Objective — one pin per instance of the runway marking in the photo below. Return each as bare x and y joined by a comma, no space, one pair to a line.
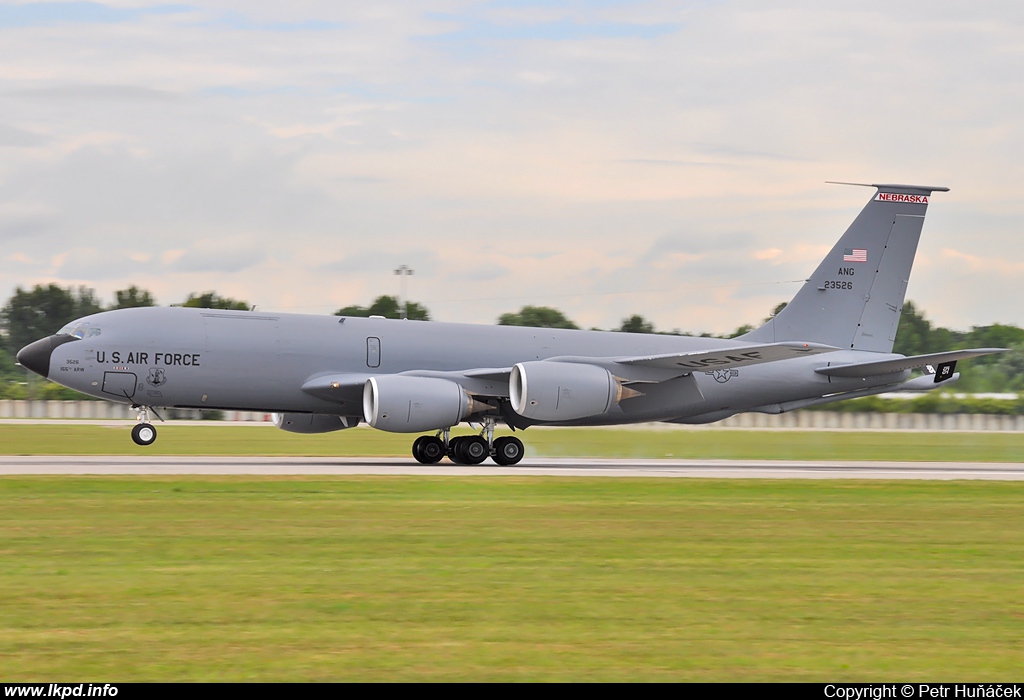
665,468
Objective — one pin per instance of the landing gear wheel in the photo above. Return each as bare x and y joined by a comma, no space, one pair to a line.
428,449
508,451
454,450
144,434
470,450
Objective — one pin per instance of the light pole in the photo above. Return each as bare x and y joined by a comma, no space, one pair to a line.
402,271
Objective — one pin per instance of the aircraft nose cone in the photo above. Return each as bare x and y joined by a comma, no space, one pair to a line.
36,356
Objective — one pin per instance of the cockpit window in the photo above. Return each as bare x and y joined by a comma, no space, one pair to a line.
80,330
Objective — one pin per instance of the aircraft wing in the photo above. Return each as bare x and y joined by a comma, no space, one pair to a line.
874,368
493,381
728,357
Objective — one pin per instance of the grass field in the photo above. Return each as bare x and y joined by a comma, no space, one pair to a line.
367,578
372,578
190,439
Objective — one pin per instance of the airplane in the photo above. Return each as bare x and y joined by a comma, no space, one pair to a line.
318,374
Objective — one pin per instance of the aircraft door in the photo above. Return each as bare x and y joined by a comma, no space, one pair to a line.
120,384
373,352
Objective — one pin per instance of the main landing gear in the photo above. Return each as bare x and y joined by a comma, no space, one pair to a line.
144,432
468,449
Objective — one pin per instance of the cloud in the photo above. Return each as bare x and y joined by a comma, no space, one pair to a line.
240,22
478,30
691,246
609,157
227,255
88,265
49,14
377,261
103,93
13,137
11,231
767,254
23,219
976,263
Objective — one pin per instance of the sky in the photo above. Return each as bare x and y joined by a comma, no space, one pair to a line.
605,157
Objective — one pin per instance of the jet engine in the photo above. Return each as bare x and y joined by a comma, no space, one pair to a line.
308,423
404,404
558,391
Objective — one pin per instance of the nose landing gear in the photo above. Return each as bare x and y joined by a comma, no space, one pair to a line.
468,449
144,432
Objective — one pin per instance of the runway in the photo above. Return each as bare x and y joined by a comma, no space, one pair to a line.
391,466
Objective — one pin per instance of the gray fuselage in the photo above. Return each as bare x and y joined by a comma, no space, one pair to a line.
210,359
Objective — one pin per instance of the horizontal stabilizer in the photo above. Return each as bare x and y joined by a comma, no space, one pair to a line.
725,358
860,370
925,383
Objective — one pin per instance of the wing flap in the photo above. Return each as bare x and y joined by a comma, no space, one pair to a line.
874,368
725,358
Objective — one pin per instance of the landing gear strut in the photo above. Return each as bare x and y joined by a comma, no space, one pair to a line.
468,449
144,433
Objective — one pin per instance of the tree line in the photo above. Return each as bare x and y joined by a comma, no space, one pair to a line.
32,314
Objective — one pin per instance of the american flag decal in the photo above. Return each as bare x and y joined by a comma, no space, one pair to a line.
855,255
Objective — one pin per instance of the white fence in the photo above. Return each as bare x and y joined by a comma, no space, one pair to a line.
803,420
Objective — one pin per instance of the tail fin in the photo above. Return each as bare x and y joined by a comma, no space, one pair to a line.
854,298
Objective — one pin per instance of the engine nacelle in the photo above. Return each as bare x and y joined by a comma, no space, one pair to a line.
558,391
403,404
309,423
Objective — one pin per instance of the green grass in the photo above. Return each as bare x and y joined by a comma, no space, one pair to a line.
373,578
184,439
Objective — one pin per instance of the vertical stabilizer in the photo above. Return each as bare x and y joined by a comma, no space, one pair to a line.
854,298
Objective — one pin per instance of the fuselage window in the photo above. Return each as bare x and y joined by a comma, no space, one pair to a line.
373,352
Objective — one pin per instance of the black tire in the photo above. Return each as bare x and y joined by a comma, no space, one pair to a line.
144,434
472,450
428,449
417,449
454,453
508,451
